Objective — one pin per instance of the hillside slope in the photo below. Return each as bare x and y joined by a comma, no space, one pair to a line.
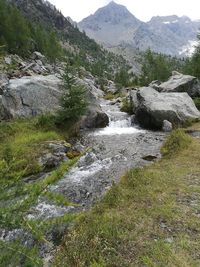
81,50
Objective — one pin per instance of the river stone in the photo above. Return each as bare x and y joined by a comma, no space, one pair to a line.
155,107
59,146
52,160
86,160
94,118
167,126
181,83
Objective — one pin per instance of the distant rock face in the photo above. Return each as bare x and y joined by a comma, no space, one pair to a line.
155,107
114,25
181,83
43,12
109,24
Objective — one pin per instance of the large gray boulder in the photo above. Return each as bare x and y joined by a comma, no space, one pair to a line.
94,117
181,83
31,96
155,107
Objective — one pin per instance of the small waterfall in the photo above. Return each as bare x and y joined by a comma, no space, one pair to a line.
119,122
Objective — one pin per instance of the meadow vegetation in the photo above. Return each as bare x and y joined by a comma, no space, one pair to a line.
22,142
151,218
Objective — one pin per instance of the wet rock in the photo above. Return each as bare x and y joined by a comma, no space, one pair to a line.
155,107
59,146
94,118
79,147
116,101
55,153
149,158
46,210
86,160
52,160
167,126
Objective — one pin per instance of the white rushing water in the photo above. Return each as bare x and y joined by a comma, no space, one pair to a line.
119,122
94,170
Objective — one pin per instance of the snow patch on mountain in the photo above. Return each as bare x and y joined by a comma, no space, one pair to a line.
188,49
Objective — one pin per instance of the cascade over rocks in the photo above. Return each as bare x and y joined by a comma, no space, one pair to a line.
155,107
179,83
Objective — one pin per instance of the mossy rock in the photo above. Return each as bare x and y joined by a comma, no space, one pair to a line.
73,154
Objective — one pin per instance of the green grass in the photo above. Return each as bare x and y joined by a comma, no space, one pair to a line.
177,141
22,142
112,96
149,219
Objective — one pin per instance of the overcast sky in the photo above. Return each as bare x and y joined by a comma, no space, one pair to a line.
142,9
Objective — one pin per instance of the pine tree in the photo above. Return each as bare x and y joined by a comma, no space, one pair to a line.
73,101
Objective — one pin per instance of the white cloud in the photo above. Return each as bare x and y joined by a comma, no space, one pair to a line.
142,9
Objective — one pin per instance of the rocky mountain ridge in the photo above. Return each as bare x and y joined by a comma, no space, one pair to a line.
114,25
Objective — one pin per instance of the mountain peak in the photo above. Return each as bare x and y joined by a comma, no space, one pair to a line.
112,3
111,14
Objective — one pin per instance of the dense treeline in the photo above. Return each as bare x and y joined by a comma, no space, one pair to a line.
158,67
193,64
20,36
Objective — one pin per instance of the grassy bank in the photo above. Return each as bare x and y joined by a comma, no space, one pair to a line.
151,218
22,142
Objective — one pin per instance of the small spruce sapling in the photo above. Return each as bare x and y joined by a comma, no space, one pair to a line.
73,101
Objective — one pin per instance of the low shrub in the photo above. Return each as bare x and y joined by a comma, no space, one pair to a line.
127,106
178,140
109,96
45,121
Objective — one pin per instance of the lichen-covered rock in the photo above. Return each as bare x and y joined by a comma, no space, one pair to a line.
33,95
30,96
155,107
180,83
